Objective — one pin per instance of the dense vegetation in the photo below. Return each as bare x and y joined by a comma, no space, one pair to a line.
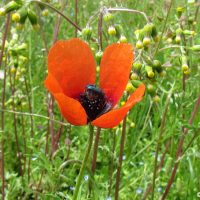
41,153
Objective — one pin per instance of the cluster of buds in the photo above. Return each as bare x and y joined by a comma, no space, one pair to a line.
145,35
20,13
114,30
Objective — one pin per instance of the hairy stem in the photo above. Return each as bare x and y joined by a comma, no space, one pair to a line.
120,159
84,163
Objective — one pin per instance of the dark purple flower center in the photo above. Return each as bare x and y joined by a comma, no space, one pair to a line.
94,102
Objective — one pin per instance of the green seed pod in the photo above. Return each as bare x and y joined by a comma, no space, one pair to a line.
156,99
134,76
157,66
148,28
179,11
15,17
146,41
112,31
149,71
108,17
189,33
122,39
130,88
87,32
154,32
139,44
139,33
32,17
2,12
119,30
136,83
195,48
12,5
178,39
137,66
23,15
19,49
151,89
98,56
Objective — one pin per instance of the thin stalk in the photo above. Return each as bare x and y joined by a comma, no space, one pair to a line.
179,149
34,115
130,11
60,13
76,17
31,123
111,166
94,159
162,126
24,138
15,124
120,159
164,27
5,35
84,163
96,144
7,25
2,136
100,31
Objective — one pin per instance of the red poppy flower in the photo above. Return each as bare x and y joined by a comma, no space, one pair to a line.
71,80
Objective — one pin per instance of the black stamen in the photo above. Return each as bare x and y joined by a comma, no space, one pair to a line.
94,102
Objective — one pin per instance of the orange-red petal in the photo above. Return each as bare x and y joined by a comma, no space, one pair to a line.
114,117
71,109
52,84
72,64
115,69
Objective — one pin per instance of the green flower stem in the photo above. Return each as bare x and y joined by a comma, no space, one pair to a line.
87,153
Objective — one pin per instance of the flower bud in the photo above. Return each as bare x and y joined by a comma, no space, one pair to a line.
12,5
148,28
149,71
45,12
132,125
112,31
139,44
108,17
87,32
156,99
32,17
137,66
146,41
134,76
178,39
15,17
98,56
150,74
157,65
195,48
139,33
154,32
2,11
136,83
179,11
130,88
189,33
184,67
122,39
150,88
